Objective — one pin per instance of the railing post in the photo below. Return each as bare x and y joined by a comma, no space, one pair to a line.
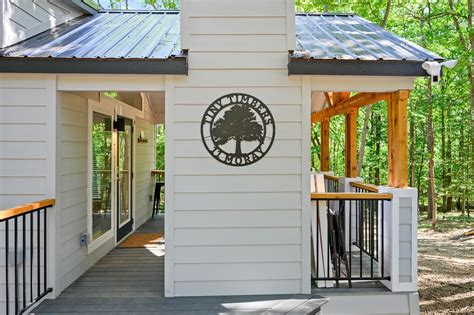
400,239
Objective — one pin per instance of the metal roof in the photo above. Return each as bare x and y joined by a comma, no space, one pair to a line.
100,40
355,46
149,42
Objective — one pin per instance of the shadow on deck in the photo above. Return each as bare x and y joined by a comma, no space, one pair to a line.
131,280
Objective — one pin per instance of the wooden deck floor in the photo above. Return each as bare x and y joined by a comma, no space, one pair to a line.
132,281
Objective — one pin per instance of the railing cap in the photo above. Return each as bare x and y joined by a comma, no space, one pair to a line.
350,196
26,208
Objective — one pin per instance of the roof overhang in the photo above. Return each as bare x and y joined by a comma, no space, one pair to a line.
300,66
177,65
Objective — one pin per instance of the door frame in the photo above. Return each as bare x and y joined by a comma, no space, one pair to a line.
111,107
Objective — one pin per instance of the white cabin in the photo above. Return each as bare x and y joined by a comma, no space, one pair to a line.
237,85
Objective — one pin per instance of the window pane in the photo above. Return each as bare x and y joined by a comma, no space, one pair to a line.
101,175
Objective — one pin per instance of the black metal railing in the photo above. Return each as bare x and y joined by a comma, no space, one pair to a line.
25,261
345,221
331,183
367,215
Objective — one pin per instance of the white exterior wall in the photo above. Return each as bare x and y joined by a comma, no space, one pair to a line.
27,152
74,260
72,191
144,163
22,19
236,230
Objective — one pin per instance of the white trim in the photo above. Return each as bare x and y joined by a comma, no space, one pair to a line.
290,25
94,107
54,215
305,186
116,82
169,191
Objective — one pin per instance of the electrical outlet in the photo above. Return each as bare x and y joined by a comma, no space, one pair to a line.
84,239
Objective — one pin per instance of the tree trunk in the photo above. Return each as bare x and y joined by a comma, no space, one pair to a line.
238,147
431,153
363,140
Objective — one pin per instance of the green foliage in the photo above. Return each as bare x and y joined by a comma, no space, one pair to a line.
431,24
160,147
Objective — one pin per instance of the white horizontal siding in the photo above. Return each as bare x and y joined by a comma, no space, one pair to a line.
73,187
235,230
237,271
144,163
238,254
237,218
23,139
237,60
237,201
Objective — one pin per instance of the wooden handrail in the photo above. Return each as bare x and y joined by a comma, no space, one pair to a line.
26,208
157,172
365,186
331,177
350,196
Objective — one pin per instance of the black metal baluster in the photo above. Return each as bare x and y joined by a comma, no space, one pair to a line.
360,232
45,248
327,237
24,260
15,252
372,239
350,246
38,254
31,256
7,248
382,258
317,239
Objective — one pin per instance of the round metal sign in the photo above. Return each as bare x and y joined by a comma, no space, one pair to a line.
238,129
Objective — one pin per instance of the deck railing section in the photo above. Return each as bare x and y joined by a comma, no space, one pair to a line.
366,215
331,183
24,230
345,260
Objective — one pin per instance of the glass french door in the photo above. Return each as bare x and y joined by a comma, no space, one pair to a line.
102,176
124,213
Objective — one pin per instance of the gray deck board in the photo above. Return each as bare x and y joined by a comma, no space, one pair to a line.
131,281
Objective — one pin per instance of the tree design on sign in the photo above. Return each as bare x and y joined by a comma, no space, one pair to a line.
239,124
237,129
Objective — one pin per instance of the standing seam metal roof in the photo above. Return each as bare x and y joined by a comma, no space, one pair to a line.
109,35
350,37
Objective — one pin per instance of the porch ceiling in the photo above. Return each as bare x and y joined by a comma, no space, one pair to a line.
109,42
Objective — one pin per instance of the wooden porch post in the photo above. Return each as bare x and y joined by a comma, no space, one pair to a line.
397,139
324,167
351,142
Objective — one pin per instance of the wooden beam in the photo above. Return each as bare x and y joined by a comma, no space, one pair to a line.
356,101
398,139
351,143
328,99
324,167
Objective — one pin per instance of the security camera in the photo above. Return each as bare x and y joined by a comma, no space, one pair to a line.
433,68
450,63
